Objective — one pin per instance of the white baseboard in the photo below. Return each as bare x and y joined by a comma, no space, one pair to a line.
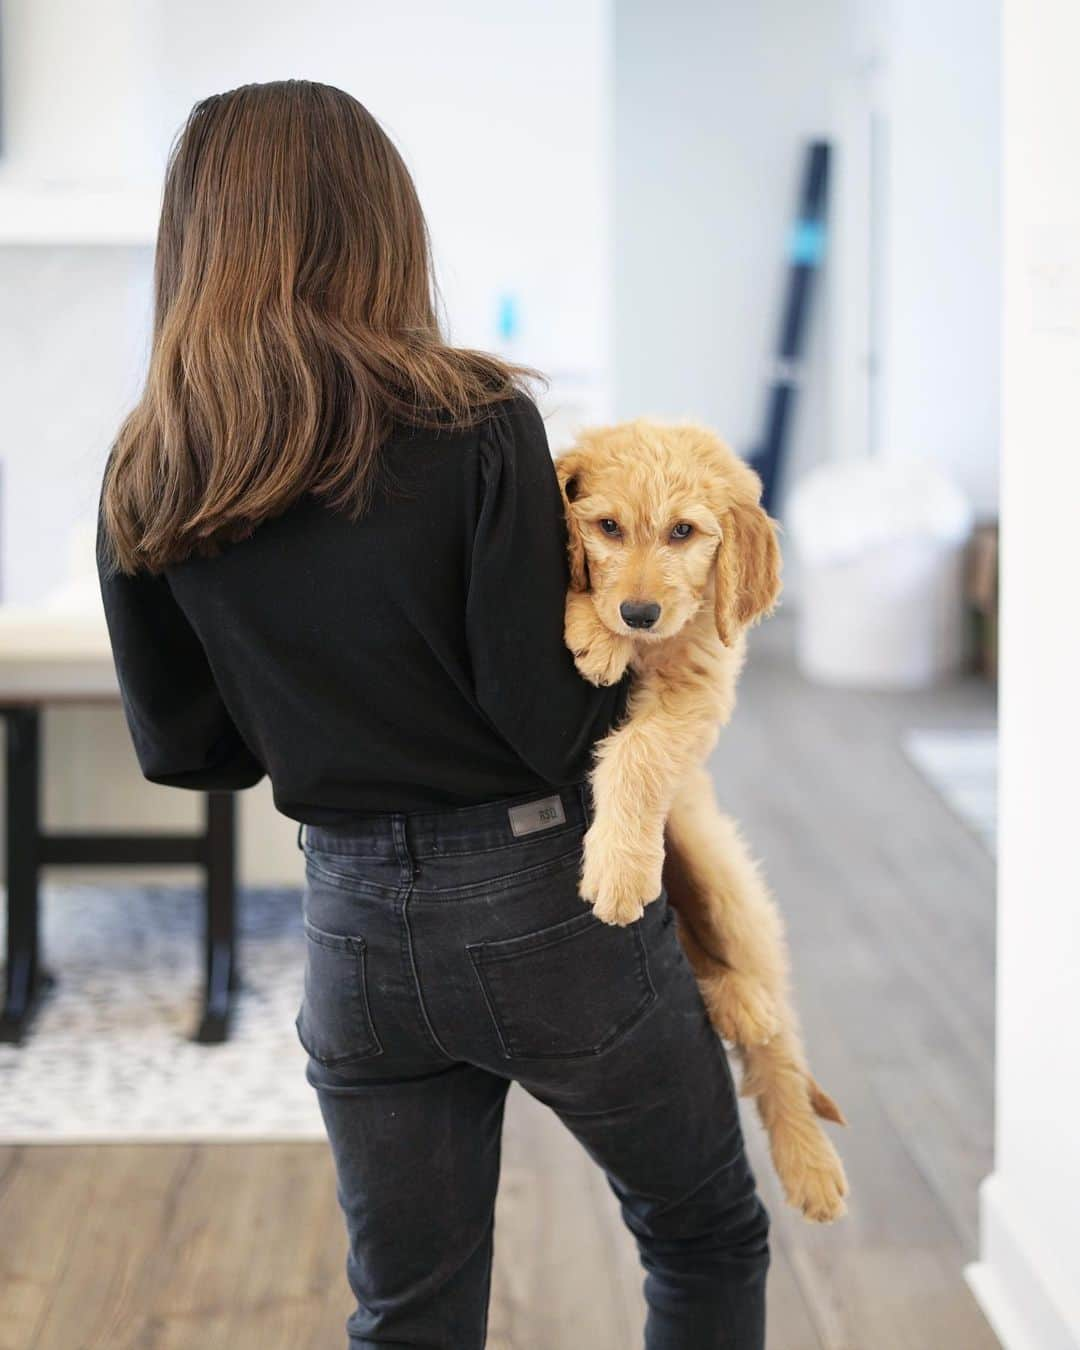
1008,1286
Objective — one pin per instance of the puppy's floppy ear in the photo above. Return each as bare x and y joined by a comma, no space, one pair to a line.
568,472
747,570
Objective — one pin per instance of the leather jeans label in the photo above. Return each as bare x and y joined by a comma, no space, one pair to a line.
529,817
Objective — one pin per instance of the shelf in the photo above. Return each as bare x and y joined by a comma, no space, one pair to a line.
56,216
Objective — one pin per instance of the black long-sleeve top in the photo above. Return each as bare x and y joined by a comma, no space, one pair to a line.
409,661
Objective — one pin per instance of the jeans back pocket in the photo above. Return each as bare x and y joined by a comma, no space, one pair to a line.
568,990
334,1023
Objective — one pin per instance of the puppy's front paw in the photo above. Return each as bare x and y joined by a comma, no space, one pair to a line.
618,885
599,664
600,655
619,908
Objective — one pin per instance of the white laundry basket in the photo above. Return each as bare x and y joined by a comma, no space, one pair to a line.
881,599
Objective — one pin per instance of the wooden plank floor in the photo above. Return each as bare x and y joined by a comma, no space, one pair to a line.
889,906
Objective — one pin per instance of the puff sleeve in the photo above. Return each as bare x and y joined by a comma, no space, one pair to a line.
525,678
182,733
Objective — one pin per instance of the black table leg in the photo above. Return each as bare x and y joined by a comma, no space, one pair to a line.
25,981
221,971
28,849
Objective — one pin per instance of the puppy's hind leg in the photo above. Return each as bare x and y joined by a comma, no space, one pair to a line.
787,1098
728,924
733,937
739,1006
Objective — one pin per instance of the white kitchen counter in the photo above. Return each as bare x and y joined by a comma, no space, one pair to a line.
55,655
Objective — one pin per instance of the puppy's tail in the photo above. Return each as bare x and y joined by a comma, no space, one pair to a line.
823,1104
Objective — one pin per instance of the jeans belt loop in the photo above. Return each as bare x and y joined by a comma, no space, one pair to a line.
585,798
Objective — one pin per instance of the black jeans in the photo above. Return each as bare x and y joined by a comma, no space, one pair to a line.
449,955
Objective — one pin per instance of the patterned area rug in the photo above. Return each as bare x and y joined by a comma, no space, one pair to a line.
962,766
110,1055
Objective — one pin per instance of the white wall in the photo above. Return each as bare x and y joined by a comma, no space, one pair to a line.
714,103
939,238
80,124
500,112
503,116
1029,1277
72,350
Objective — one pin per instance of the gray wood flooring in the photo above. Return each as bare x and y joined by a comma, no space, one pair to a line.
889,901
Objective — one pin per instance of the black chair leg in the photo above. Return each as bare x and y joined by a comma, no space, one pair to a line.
26,983
221,970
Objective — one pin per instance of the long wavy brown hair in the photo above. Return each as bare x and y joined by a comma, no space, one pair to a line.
295,326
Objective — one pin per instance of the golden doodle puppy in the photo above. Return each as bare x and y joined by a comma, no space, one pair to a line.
672,558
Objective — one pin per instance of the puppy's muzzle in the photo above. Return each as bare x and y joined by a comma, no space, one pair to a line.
639,613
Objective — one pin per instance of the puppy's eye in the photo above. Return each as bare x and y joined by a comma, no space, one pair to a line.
682,531
610,526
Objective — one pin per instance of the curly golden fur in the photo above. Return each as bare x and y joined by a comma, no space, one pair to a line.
672,558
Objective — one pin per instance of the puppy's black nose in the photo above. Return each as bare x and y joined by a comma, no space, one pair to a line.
639,613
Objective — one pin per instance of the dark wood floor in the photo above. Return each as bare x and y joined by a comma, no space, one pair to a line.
889,902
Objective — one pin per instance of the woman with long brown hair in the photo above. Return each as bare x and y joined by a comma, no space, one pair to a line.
331,550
